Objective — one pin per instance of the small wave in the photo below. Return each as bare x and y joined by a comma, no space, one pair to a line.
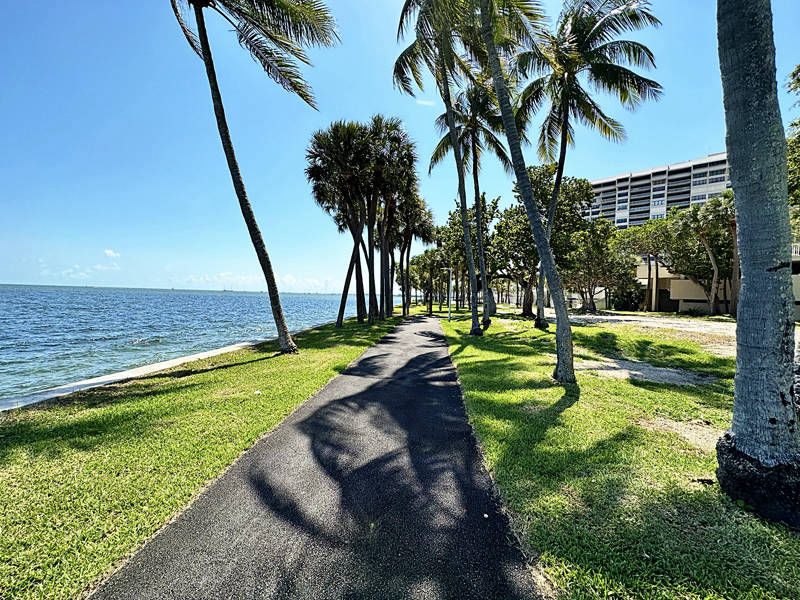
144,341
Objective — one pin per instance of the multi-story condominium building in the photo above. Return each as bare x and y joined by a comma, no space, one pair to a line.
633,198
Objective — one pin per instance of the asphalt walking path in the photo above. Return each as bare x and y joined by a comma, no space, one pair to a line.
373,488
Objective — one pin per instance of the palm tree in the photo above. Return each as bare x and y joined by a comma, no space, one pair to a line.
434,47
275,34
759,458
477,121
519,17
339,162
584,45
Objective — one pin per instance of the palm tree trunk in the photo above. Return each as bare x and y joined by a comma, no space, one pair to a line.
564,371
361,305
390,290
285,340
346,289
373,299
759,458
541,321
736,272
382,272
408,276
462,194
527,299
479,227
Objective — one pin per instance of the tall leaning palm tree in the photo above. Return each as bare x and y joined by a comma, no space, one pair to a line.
435,47
478,122
275,33
583,47
759,458
519,18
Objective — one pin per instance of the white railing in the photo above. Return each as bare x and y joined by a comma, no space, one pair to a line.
795,249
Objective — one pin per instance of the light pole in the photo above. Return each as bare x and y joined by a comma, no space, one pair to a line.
449,280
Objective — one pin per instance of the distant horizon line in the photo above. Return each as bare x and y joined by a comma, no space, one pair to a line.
162,289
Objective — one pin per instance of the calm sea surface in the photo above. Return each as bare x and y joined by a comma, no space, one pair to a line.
50,336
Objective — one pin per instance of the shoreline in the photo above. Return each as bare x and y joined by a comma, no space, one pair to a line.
29,399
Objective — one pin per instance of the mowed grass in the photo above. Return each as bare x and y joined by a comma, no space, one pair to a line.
613,508
85,481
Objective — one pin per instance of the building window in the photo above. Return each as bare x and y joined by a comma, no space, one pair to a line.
622,220
716,179
658,189
700,175
658,216
717,172
700,182
622,207
699,197
658,196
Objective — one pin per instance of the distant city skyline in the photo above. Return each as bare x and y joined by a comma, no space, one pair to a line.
112,172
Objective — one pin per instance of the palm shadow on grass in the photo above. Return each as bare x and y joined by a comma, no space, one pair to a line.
608,505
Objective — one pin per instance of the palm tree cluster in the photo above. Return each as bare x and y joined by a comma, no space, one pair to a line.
364,176
509,66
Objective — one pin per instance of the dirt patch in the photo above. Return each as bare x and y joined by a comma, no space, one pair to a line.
698,433
724,350
644,371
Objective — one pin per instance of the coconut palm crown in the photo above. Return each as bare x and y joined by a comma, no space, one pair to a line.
275,32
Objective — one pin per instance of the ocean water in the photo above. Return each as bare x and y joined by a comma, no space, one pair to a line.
52,335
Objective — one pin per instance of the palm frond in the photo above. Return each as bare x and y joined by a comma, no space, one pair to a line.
278,64
178,6
631,88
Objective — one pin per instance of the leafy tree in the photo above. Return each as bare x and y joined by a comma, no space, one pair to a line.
575,195
515,253
584,49
275,34
434,47
597,262
719,214
759,458
477,122
649,240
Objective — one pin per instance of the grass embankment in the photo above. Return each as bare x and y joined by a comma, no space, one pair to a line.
85,481
613,506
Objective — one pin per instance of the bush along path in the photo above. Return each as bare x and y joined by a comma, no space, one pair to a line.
374,488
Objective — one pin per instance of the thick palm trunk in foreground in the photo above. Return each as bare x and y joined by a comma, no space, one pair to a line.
285,340
462,197
479,227
564,371
759,458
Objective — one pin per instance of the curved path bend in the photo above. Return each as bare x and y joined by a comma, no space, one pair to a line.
372,489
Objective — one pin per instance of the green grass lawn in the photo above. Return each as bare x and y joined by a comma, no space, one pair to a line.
611,507
85,481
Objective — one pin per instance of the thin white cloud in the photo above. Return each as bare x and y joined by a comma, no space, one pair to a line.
422,102
75,272
112,267
111,253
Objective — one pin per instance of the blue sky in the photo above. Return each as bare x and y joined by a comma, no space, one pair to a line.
111,171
